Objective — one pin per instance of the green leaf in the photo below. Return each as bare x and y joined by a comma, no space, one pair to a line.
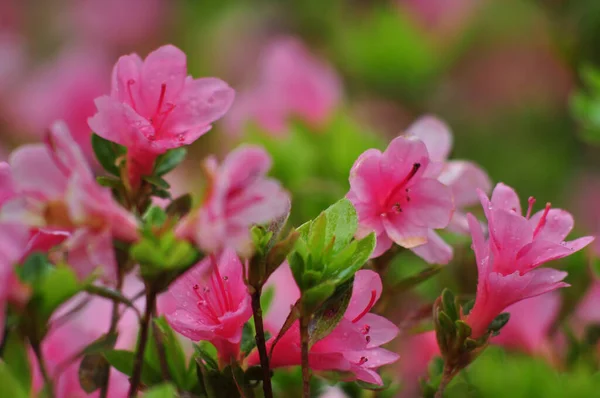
206,357
499,322
55,288
157,182
266,298
107,153
329,314
414,280
16,359
165,390
280,251
342,223
248,340
174,353
468,306
35,268
109,181
169,160
11,386
123,361
180,206
155,216
449,304
316,296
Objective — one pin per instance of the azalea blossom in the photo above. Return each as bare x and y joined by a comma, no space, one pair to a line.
291,83
353,346
517,245
528,328
154,106
419,349
395,196
462,177
211,308
56,194
239,195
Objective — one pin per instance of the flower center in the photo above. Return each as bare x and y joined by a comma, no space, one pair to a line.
162,110
215,299
543,218
396,199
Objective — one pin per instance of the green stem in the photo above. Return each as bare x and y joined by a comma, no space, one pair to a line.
304,347
446,379
138,361
112,329
261,344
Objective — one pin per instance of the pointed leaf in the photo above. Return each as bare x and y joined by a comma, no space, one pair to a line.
169,160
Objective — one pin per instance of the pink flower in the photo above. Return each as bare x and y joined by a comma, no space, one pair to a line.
517,245
56,192
65,340
462,177
239,196
291,83
529,326
420,349
353,346
395,196
213,308
154,106
63,89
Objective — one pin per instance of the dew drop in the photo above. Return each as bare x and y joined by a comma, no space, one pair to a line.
180,137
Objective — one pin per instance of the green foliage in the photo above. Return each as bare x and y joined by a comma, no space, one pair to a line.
165,390
16,362
108,153
169,160
122,360
585,104
11,386
330,313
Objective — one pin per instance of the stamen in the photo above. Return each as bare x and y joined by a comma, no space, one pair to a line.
542,221
400,187
161,98
130,83
367,308
362,360
227,300
365,329
531,202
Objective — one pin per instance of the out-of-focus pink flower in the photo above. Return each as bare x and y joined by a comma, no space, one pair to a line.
529,325
66,339
588,310
586,210
395,196
63,89
13,243
213,308
56,191
291,83
353,346
117,22
462,177
419,349
154,106
239,196
286,293
12,58
517,245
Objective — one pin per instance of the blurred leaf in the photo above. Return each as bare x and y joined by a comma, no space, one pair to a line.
180,206
123,361
11,387
55,288
107,153
16,360
169,160
207,358
157,181
35,268
174,354
165,390
93,372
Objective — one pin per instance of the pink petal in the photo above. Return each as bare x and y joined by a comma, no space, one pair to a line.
34,171
376,357
435,134
366,180
118,122
399,159
431,204
344,337
165,65
435,251
126,82
541,251
7,189
504,197
365,291
89,251
383,244
509,233
202,102
479,245
557,226
464,178
402,232
67,154
284,298
381,330
243,166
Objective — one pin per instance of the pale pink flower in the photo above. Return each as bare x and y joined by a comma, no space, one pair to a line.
588,310
56,192
291,83
517,245
353,346
528,328
64,88
211,306
396,198
419,349
239,195
462,177
154,106
67,337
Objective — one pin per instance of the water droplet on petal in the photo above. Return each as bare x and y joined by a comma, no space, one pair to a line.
180,137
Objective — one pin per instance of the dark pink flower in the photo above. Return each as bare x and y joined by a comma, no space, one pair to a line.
395,196
462,177
517,245
211,308
291,83
154,106
530,322
57,195
353,346
239,196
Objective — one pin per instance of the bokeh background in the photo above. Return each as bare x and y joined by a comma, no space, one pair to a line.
514,79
